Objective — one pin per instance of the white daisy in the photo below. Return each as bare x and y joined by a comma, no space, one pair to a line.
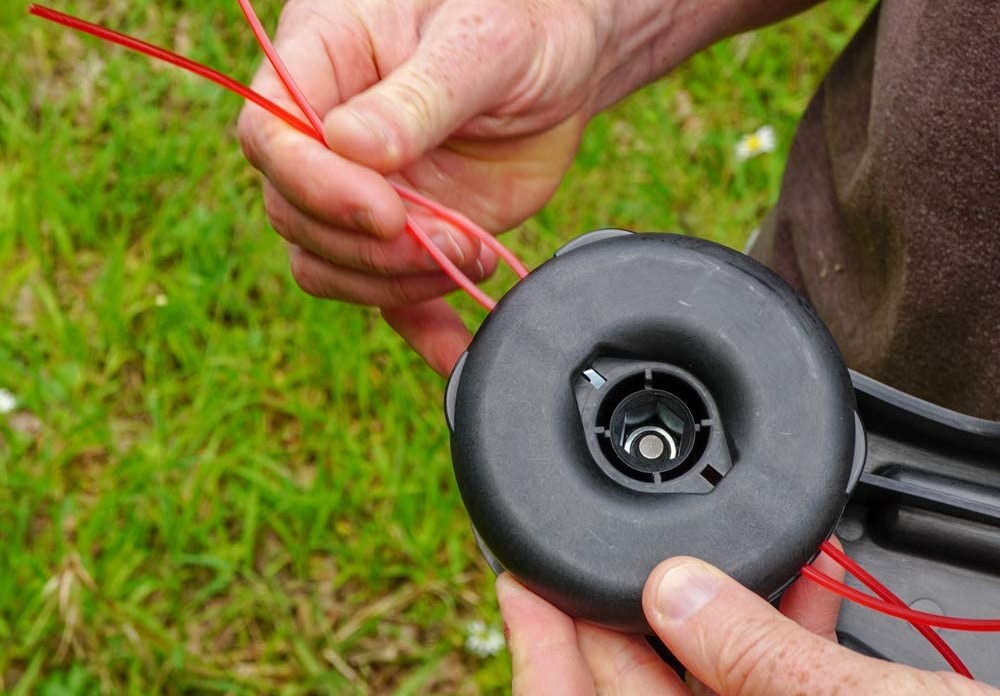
8,402
482,640
757,143
161,300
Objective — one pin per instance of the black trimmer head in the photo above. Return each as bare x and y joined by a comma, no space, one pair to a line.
643,396
646,396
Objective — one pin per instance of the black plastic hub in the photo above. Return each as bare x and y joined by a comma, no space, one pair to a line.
651,432
652,427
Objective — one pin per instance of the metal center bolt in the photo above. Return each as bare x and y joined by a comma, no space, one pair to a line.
651,442
645,427
651,447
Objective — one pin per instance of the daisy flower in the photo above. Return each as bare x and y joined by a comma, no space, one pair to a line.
757,143
8,402
482,640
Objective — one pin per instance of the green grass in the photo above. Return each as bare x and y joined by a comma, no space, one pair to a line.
248,490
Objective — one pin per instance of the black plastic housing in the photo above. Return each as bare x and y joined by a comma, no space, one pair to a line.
925,520
781,445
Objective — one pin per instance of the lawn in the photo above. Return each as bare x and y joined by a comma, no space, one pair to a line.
211,482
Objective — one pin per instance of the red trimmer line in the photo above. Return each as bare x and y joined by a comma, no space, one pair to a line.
869,580
921,617
313,129
444,213
886,603
169,57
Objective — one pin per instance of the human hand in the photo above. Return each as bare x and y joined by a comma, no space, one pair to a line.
478,105
732,642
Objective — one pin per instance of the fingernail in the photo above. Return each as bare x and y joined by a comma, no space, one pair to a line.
684,590
446,243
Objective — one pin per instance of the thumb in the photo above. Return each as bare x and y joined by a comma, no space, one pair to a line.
737,644
456,72
433,329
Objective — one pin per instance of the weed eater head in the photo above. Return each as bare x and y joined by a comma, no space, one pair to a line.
646,396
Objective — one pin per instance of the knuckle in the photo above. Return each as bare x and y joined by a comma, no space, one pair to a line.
375,259
246,130
296,11
634,669
277,211
414,101
314,18
746,658
410,98
306,275
955,685
293,6
401,293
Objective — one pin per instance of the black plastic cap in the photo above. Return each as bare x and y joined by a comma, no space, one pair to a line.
754,489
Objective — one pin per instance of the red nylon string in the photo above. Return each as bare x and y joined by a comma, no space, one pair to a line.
172,58
313,128
951,622
447,214
279,65
446,264
465,224
872,583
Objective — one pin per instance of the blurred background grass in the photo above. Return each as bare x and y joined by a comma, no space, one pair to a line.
211,482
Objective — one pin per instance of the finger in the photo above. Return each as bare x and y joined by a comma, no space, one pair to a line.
320,183
461,247
812,607
363,252
542,641
466,58
320,278
434,330
624,664
326,49
736,643
326,186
